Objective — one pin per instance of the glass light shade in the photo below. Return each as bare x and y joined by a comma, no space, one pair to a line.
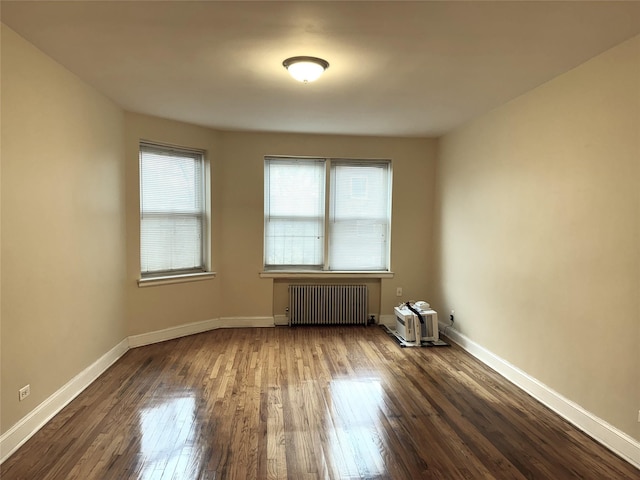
305,69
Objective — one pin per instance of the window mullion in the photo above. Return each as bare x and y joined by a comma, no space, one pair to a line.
327,213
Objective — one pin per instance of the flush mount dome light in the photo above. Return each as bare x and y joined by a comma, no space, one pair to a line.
305,69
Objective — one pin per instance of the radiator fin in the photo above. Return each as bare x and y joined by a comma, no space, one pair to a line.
328,304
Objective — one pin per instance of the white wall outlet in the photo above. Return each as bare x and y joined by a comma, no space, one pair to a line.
398,291
638,416
24,392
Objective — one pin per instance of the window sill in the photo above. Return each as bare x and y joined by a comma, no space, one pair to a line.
323,274
170,279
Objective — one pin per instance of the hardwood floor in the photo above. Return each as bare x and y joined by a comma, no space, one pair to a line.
306,403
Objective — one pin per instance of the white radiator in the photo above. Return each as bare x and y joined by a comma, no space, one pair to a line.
327,304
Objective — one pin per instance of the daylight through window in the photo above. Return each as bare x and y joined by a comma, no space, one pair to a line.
327,214
173,220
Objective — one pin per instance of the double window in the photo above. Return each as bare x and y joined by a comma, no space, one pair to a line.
173,211
327,214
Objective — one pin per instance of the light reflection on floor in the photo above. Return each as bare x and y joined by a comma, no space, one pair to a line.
167,440
357,403
168,445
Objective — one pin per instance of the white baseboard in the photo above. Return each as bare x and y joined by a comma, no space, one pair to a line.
197,327
243,322
388,320
22,431
612,438
280,320
172,332
601,431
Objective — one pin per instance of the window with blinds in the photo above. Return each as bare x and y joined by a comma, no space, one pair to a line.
342,224
173,226
360,212
294,213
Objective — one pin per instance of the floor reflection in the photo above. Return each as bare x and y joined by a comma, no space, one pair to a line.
359,441
167,447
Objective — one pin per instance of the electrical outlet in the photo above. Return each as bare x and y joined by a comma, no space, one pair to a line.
399,292
24,392
638,416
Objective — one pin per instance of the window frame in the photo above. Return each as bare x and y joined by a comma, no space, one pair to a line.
178,275
324,269
267,210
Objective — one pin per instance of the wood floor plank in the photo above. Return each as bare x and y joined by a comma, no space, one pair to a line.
306,403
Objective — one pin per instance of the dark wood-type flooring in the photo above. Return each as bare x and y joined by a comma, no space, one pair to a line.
306,403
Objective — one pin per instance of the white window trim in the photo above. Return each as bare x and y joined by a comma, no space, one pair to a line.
286,271
166,278
171,279
324,274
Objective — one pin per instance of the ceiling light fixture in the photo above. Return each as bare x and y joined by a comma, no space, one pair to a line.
305,69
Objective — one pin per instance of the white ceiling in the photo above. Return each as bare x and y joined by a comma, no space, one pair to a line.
396,68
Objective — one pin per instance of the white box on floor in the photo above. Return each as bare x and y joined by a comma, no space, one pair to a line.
405,321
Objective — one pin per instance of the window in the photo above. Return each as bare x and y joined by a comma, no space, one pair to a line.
342,224
173,213
294,212
359,222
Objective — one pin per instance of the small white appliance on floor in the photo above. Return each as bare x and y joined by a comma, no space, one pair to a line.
408,323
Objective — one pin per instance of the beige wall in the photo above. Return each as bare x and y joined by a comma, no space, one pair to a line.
237,181
242,155
164,306
535,230
538,242
70,165
63,231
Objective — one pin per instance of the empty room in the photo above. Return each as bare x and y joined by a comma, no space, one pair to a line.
319,240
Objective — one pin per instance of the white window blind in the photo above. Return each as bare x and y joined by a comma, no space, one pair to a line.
357,227
172,210
360,213
294,212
